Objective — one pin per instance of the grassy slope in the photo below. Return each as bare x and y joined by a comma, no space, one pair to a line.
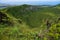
34,17
30,18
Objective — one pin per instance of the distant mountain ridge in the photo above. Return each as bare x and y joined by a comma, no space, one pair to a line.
2,5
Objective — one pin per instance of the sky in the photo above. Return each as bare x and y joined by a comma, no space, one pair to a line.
25,0
34,2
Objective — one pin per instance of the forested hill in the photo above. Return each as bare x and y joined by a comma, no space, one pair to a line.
30,22
33,15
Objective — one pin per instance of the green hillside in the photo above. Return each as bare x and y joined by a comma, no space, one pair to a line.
30,22
34,15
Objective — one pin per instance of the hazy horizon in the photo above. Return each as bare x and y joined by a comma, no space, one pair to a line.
34,2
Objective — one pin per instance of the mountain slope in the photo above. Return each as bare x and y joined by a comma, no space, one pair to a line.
33,15
45,20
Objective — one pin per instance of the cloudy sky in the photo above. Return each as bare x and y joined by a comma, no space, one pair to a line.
30,1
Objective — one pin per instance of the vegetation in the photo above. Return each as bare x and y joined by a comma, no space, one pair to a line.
27,22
